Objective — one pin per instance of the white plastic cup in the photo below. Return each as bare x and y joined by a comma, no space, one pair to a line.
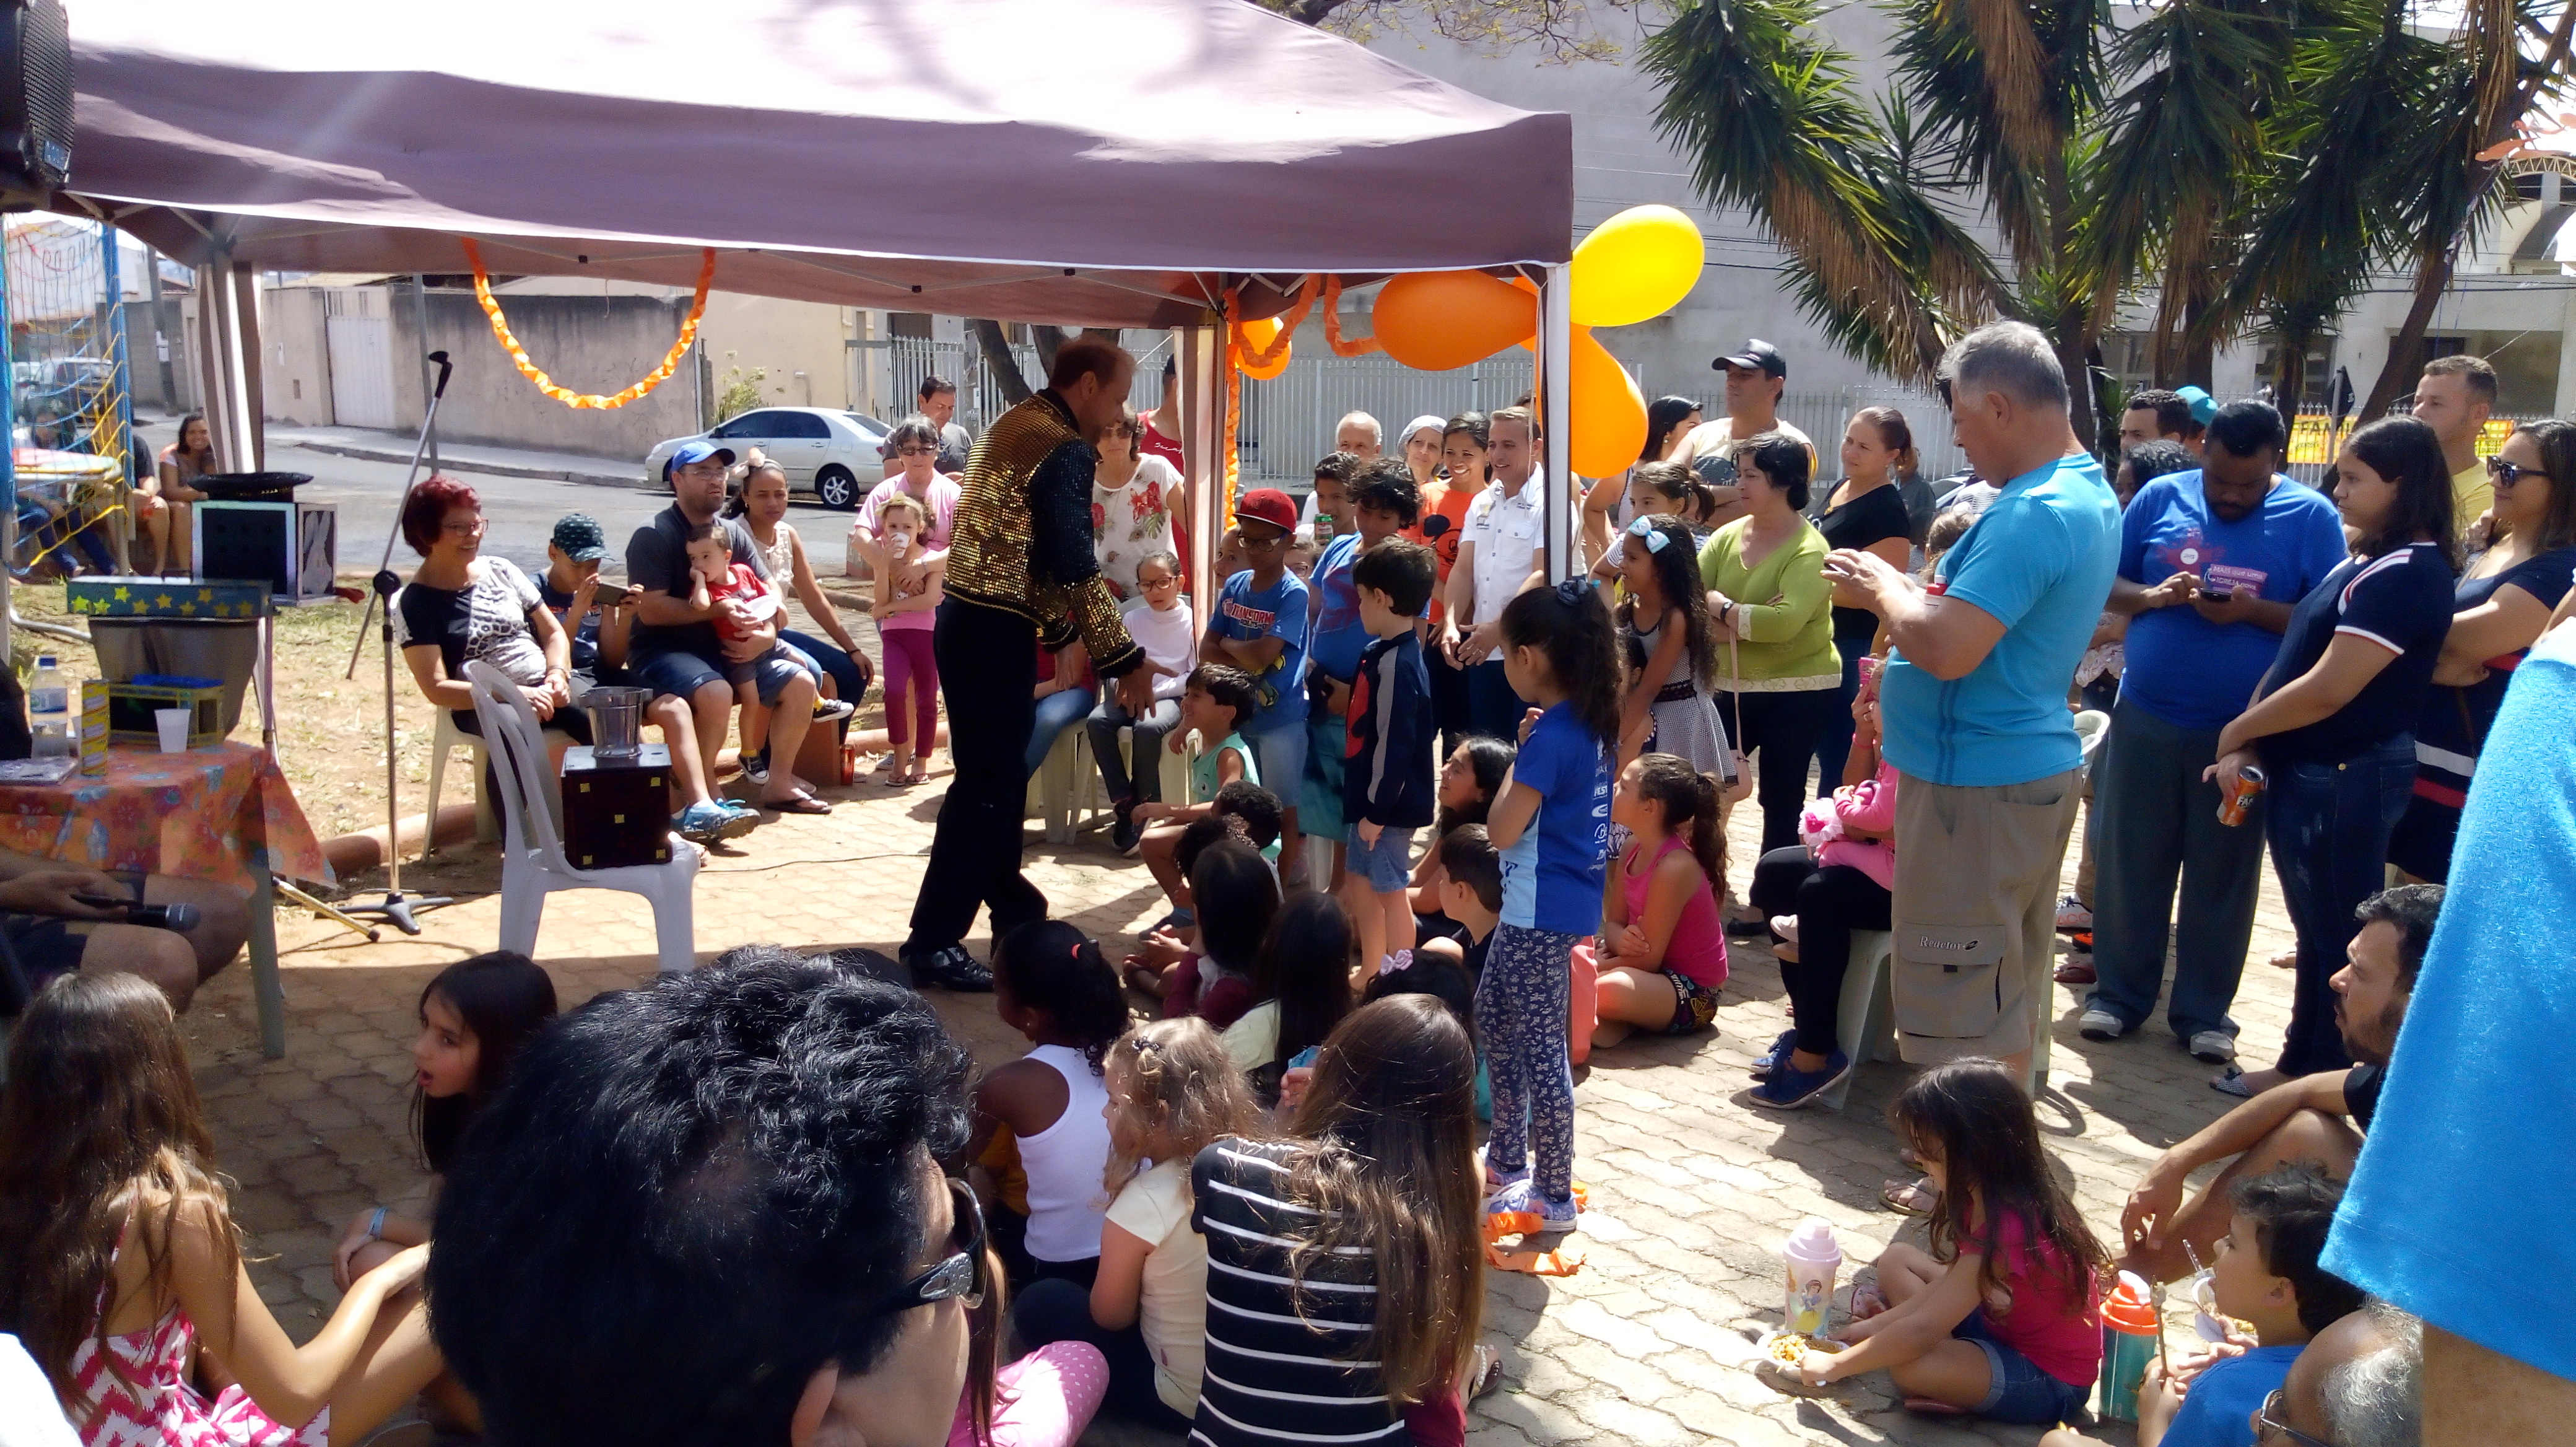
173,723
1814,1261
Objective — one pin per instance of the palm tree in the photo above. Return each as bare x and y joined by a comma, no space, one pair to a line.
2252,160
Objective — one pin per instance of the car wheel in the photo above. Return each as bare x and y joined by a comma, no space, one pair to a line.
837,488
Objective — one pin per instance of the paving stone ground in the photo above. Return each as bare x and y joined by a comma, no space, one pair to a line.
1692,1190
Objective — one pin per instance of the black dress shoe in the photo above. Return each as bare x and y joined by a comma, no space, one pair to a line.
950,968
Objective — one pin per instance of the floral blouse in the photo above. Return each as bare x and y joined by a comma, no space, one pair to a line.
1129,522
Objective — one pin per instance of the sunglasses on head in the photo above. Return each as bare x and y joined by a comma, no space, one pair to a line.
961,1274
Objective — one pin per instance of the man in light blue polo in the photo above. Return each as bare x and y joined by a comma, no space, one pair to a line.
1973,706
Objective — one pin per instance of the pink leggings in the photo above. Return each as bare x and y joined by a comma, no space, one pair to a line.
1044,1399
910,670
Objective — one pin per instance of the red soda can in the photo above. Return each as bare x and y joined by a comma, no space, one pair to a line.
2239,796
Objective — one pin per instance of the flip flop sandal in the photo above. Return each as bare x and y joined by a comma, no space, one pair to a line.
1535,1263
2231,1082
1910,1198
1488,1373
1931,1408
1867,1301
800,804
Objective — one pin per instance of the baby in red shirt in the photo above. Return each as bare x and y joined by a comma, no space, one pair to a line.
714,575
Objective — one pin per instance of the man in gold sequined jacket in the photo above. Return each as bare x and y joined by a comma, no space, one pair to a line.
1021,573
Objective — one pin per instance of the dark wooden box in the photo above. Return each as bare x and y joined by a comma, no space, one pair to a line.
617,814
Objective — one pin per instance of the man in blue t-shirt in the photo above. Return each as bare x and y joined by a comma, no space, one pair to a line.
1973,707
2211,563
1259,625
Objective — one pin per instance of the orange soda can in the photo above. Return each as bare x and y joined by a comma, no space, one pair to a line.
2239,796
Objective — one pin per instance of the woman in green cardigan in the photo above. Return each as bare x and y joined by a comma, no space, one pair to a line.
1767,591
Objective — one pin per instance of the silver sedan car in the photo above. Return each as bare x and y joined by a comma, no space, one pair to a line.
827,451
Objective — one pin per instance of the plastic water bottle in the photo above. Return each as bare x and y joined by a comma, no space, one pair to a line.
49,717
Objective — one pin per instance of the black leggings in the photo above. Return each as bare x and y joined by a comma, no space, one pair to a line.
1830,903
1784,728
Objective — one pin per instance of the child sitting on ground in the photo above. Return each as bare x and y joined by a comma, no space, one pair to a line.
1469,780
1238,896
1214,703
1386,788
1301,989
475,1017
1172,1091
1663,949
125,1258
904,622
1245,813
2267,1276
2002,1318
1051,984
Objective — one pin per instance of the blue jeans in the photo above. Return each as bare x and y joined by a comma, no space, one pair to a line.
1057,712
2017,1390
2328,825
1054,1311
844,671
1492,707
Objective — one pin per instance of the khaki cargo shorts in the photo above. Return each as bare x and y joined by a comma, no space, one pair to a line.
1976,913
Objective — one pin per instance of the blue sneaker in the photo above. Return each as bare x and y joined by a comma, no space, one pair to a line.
1768,1060
1497,1182
705,823
1539,1215
1789,1087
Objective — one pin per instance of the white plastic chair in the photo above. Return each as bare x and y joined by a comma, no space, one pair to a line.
1865,1017
487,826
532,853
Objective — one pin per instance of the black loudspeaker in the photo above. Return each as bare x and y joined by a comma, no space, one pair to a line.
35,95
292,546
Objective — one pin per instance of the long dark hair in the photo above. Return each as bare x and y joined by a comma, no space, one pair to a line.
1305,965
1389,1127
182,440
1662,416
1676,566
2556,441
2405,452
503,998
101,1122
1689,800
1972,1116
1490,758
1235,896
1051,966
1475,425
1571,625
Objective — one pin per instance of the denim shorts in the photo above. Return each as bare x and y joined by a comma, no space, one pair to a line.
782,665
2019,1391
1387,865
677,674
1281,755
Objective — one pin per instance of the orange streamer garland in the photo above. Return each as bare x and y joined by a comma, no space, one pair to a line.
590,401
1333,325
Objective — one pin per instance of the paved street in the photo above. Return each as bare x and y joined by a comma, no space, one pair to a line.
1692,1189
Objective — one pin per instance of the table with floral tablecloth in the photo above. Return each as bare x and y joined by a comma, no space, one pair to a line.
222,813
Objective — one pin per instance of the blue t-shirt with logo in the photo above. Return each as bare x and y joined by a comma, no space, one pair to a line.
1278,611
2219,1409
1552,874
1339,638
2184,669
2039,560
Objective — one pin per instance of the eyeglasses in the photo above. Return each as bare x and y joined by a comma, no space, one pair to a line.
463,529
2507,473
1166,581
916,452
960,1275
2268,1420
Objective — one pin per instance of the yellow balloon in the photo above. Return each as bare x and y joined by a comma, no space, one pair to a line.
1252,337
1637,265
1608,412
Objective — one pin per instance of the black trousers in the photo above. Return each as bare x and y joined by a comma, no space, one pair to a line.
1830,903
988,670
1781,732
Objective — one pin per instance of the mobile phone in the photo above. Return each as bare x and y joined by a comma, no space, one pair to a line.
613,595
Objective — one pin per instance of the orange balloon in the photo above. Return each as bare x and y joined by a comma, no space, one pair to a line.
1252,337
1437,321
1609,413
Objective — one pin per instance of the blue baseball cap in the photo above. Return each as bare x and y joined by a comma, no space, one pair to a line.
696,449
2203,406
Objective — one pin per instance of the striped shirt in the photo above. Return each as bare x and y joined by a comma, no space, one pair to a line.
1275,1375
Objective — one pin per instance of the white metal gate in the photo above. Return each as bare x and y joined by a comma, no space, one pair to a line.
362,373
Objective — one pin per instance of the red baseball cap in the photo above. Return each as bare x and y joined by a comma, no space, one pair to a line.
1268,505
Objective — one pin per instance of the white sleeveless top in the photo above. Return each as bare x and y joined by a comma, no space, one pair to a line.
780,556
1064,1162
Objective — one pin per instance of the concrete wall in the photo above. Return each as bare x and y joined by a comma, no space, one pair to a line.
589,343
803,346
296,370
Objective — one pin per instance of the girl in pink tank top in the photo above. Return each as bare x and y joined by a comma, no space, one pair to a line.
1663,948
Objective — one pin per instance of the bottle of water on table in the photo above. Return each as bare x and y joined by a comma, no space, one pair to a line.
49,717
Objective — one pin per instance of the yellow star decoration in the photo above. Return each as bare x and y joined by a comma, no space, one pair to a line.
187,610
123,593
163,601
205,595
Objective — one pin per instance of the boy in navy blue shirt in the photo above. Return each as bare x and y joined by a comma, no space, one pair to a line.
1387,787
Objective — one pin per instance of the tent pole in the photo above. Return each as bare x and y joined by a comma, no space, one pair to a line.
1202,384
1556,349
8,470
